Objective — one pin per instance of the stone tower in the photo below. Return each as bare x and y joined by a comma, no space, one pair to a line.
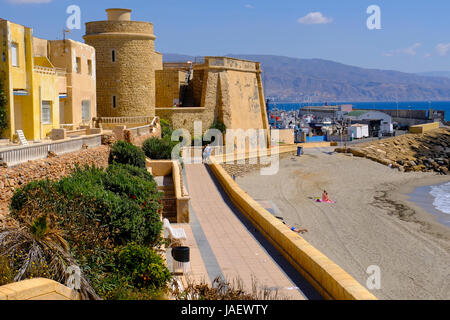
126,64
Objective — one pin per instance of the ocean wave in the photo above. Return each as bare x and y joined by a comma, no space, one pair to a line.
441,194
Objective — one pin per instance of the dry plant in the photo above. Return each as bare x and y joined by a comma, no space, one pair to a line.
37,250
222,289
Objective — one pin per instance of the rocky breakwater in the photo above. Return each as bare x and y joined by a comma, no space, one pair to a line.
411,152
52,168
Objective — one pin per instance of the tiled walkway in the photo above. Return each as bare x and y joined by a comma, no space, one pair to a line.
230,246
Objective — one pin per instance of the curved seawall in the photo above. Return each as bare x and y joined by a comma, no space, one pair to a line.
331,281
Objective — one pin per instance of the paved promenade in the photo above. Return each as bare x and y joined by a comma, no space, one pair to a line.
223,242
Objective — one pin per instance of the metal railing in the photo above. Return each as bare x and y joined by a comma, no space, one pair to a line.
18,155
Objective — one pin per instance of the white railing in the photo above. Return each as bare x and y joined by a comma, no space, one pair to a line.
18,155
124,120
145,130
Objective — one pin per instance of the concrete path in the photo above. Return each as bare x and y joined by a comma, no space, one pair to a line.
230,246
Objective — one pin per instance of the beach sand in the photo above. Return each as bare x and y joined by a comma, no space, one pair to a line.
372,222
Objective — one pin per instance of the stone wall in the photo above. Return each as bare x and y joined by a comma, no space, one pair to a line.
37,289
51,168
137,138
168,87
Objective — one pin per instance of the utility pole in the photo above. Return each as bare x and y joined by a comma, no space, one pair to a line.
64,37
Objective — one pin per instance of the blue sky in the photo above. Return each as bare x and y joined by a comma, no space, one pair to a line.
415,35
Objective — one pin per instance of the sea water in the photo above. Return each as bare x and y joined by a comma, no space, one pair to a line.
435,200
441,195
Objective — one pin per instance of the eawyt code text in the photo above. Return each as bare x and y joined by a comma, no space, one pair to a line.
224,311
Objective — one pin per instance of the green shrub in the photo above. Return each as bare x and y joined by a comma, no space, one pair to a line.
99,210
219,126
22,195
121,204
166,128
125,153
123,198
131,182
142,266
159,149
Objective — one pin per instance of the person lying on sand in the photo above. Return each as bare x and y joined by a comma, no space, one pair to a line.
325,198
295,229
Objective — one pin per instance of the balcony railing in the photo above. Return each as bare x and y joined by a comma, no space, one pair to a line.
18,155
123,120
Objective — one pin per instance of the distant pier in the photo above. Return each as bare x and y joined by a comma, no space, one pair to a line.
401,116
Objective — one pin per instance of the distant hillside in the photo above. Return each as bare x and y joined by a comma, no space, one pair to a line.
445,74
293,79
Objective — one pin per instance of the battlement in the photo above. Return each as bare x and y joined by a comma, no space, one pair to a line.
227,63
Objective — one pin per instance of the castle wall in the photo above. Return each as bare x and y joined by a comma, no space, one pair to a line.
228,90
168,87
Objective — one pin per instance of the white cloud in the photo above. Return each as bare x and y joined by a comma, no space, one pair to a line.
28,1
410,51
442,49
249,6
314,18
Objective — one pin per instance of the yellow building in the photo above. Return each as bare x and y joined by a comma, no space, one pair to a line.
78,61
36,89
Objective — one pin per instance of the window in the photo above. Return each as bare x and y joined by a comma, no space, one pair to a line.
15,54
114,102
113,56
78,65
46,112
86,110
89,64
3,57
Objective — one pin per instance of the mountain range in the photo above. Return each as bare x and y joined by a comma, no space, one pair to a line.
318,80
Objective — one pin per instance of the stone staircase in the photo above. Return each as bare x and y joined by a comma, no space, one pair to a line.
166,186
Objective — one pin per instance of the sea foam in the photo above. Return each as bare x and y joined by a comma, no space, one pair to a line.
441,194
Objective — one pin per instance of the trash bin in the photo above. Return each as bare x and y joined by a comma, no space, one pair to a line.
299,151
181,259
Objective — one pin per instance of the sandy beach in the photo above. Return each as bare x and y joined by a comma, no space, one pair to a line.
372,222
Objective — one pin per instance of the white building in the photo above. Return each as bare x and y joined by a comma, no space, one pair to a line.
377,121
358,131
